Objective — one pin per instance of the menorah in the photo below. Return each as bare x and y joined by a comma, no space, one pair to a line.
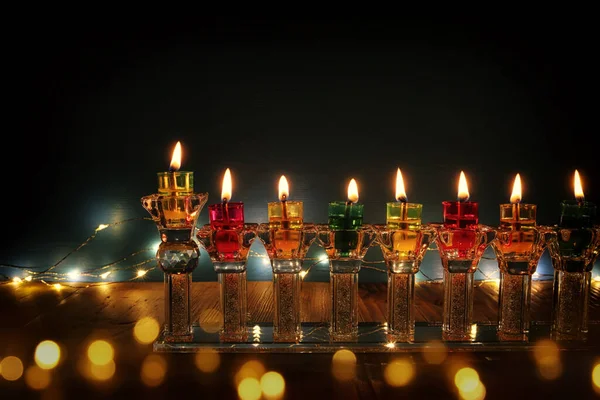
403,246
461,240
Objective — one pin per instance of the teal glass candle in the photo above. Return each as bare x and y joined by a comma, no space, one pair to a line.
577,214
345,218
345,215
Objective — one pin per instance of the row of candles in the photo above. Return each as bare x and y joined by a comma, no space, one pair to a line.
347,214
461,240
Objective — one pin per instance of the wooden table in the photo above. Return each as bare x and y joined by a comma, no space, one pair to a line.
77,314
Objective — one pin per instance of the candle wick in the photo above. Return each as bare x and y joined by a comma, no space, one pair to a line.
225,210
284,214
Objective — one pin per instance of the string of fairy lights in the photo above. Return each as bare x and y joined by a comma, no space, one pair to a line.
53,276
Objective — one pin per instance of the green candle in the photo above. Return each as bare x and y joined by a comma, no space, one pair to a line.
345,217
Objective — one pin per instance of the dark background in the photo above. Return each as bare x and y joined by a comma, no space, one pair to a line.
95,109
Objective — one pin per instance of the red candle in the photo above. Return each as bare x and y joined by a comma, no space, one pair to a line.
226,220
463,214
461,218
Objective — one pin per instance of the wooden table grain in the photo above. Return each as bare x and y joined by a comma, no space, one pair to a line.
78,314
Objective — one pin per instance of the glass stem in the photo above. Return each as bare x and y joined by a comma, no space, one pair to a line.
570,305
458,306
233,287
514,301
286,322
344,306
400,299
177,307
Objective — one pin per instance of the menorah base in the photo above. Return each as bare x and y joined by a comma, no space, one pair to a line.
170,338
372,338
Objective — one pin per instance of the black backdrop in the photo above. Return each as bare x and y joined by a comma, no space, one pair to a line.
94,109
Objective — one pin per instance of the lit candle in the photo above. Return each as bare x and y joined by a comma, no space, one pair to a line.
346,215
462,213
401,214
226,218
175,182
517,214
577,213
285,214
226,214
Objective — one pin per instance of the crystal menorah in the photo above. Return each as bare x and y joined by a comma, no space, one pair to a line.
461,242
573,255
175,209
404,242
518,247
227,240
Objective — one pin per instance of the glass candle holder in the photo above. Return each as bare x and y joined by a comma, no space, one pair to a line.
573,255
345,249
175,210
461,214
404,242
286,244
345,218
577,214
227,240
518,246
226,221
461,243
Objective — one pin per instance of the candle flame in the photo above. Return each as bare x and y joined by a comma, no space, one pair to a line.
515,197
463,189
176,158
226,188
400,191
284,189
578,188
352,191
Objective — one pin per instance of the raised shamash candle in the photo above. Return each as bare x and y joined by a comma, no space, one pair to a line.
175,209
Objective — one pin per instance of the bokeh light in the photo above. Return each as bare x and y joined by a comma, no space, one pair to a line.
154,369
466,379
211,320
249,389
100,352
11,367
547,357
272,385
399,372
207,362
101,372
469,385
146,330
251,369
478,392
37,378
435,352
47,354
344,365
596,377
